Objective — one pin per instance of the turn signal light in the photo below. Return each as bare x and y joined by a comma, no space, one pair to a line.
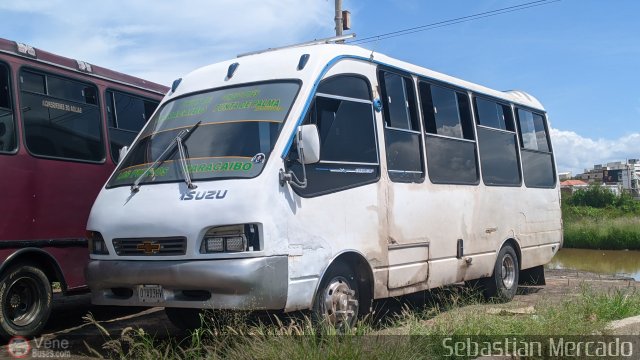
97,245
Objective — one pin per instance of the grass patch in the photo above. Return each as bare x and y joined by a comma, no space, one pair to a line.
603,233
587,313
448,313
595,218
242,339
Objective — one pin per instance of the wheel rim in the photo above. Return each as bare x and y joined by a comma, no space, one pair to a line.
508,271
22,303
340,303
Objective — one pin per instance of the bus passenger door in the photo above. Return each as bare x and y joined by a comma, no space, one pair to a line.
408,245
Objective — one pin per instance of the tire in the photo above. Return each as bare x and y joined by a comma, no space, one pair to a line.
25,301
184,319
338,298
503,284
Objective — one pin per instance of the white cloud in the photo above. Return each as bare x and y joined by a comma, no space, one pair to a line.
162,40
576,153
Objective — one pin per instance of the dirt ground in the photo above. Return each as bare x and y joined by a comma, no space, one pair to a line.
563,283
68,320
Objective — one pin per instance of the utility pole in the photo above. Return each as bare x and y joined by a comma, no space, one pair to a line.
338,18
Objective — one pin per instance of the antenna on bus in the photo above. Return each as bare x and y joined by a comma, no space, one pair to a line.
329,40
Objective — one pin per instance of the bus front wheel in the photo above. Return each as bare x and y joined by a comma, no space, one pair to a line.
502,286
25,301
337,301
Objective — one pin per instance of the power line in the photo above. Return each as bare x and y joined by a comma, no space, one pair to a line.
454,21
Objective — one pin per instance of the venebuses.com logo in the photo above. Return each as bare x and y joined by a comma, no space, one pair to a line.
18,347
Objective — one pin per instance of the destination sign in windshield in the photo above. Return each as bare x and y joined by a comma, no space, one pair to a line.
238,129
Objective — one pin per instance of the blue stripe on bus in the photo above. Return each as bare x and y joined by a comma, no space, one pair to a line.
312,94
373,61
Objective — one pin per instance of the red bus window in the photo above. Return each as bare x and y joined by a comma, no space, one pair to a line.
7,123
32,82
126,115
61,117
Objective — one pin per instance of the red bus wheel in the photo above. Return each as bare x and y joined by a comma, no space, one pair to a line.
25,301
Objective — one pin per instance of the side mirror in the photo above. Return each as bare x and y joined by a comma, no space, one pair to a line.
309,144
122,153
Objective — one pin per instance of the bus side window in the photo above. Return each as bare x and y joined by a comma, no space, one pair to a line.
403,137
450,141
126,115
71,90
7,123
343,112
497,143
537,160
61,117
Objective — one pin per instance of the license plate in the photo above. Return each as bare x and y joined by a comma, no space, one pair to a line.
150,293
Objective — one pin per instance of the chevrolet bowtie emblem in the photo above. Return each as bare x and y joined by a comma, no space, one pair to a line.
149,247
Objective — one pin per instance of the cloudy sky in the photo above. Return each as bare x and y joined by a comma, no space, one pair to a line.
580,58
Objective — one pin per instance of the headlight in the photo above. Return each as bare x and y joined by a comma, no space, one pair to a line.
236,243
97,246
214,244
233,238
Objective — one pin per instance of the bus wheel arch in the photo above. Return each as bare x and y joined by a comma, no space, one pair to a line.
516,246
38,258
353,269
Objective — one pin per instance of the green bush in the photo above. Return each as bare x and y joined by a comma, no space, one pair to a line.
595,196
595,218
628,204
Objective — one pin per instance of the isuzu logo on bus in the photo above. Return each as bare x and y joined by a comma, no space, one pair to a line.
203,195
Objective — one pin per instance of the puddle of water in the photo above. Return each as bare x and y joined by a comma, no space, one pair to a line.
611,262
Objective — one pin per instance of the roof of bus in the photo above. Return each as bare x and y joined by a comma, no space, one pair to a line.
283,64
38,55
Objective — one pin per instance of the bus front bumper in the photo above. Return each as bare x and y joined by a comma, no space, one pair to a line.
240,284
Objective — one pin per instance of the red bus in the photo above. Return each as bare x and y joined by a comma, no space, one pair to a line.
62,124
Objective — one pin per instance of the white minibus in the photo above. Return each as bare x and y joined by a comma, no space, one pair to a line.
323,177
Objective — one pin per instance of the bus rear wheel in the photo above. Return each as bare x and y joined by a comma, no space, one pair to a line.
337,301
503,284
25,301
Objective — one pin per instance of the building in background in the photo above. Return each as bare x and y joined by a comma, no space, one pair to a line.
569,186
630,178
563,176
623,176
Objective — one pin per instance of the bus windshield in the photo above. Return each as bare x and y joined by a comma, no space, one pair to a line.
237,131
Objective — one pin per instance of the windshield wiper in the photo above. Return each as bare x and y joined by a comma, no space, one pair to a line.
183,163
179,140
